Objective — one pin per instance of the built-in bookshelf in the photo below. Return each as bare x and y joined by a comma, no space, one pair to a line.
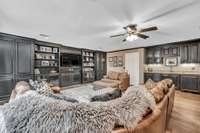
46,60
88,64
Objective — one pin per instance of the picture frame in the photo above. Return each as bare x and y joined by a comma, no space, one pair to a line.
55,50
120,61
110,59
115,61
171,61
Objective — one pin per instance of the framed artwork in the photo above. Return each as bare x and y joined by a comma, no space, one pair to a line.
115,61
120,61
110,59
172,61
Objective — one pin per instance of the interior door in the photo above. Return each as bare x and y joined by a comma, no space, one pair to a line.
132,67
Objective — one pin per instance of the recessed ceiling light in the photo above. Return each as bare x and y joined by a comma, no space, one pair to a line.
45,36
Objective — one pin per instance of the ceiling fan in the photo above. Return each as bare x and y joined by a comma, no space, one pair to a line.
134,33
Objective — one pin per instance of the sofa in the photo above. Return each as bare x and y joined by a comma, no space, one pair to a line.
120,80
155,122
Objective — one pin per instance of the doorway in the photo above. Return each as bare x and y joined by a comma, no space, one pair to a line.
132,62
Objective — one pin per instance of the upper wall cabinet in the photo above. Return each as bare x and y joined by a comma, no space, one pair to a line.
24,57
153,55
100,65
6,57
189,53
170,51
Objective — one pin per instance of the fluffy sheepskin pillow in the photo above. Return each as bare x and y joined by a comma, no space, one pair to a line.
150,84
163,85
169,82
158,93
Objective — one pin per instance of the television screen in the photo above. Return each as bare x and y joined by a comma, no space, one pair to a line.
70,60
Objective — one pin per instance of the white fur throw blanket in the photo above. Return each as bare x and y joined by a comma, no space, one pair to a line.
35,113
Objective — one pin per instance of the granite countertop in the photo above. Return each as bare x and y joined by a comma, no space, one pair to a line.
175,72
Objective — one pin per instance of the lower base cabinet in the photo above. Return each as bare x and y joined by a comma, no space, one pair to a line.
190,83
182,82
6,86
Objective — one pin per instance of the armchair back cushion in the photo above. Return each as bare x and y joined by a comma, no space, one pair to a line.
113,75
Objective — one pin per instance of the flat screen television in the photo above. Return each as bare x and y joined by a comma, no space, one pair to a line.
68,60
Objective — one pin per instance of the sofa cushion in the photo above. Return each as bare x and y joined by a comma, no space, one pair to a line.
113,75
123,75
158,93
150,84
111,80
106,84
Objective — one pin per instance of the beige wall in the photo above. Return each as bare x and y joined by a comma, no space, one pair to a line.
122,53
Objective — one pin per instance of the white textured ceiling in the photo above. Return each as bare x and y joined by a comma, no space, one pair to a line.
89,23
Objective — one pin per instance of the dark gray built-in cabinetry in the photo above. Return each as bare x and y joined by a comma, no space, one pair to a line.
100,65
16,62
70,69
70,75
190,83
88,66
189,52
182,82
47,62
153,55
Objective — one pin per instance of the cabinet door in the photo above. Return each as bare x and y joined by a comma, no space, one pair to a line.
6,86
193,53
24,58
165,51
6,57
104,64
148,76
199,53
66,79
189,83
184,53
174,51
157,77
199,84
150,52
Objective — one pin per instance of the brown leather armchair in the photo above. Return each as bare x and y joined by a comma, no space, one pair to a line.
113,79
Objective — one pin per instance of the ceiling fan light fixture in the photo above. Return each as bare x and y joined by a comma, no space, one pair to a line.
130,38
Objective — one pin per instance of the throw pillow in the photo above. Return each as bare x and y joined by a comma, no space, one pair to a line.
162,84
113,75
150,84
107,96
169,82
157,93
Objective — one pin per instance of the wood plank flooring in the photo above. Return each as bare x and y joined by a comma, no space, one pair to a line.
186,113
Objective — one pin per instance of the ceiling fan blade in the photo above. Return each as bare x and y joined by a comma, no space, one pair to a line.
142,36
124,40
148,29
118,35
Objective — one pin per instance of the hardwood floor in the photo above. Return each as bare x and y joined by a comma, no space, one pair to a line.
186,113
